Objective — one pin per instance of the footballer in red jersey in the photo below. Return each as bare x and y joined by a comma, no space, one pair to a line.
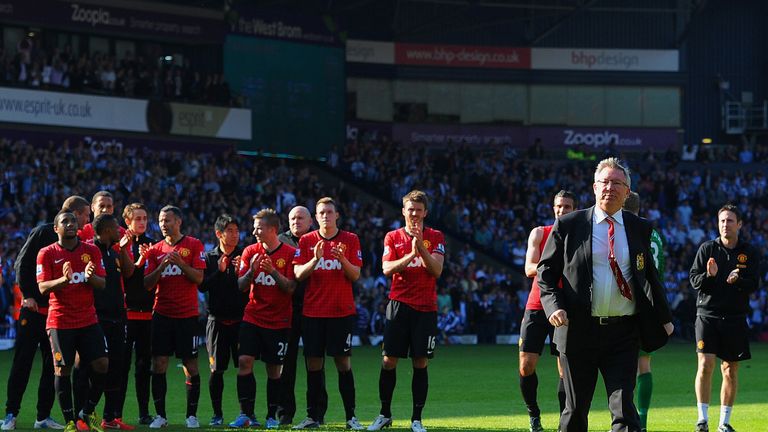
174,268
102,203
330,260
413,257
31,335
69,270
266,272
535,327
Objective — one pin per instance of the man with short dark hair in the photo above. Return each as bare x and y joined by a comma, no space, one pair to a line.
725,272
113,327
110,309
266,273
413,258
225,307
69,271
535,327
174,268
31,334
102,202
330,259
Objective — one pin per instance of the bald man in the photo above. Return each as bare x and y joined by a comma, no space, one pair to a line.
299,223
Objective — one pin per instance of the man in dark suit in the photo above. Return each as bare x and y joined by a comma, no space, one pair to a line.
611,301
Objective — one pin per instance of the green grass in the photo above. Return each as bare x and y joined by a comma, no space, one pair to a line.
476,388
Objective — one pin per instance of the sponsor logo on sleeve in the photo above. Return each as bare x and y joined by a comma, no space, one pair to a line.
440,248
386,250
39,269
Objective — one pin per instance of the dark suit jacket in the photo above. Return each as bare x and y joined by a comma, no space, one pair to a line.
567,255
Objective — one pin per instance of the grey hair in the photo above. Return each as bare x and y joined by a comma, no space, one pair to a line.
614,163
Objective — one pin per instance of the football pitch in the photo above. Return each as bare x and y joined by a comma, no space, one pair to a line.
472,388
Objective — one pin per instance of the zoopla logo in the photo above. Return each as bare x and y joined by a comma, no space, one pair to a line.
573,138
91,16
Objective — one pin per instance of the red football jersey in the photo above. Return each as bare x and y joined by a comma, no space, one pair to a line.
269,306
328,292
176,296
534,297
413,286
72,306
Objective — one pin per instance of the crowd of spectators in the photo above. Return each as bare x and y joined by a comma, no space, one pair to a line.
493,198
32,65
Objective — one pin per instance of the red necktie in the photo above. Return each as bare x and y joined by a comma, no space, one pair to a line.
624,288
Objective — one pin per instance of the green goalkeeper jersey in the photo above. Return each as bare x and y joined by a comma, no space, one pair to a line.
657,247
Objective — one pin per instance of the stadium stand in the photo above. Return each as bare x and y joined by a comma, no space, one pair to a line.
484,300
50,68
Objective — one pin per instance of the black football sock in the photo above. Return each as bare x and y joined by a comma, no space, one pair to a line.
193,395
387,381
246,393
561,394
143,379
95,391
347,390
314,389
273,397
80,387
529,386
216,389
63,386
111,399
419,388
159,389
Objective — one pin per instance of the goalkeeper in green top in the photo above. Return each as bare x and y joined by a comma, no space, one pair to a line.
644,378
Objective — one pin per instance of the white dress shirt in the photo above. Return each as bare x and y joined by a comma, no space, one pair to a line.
606,297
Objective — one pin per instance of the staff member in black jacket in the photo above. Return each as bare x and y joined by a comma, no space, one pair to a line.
226,304
299,223
31,332
724,273
139,302
611,300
